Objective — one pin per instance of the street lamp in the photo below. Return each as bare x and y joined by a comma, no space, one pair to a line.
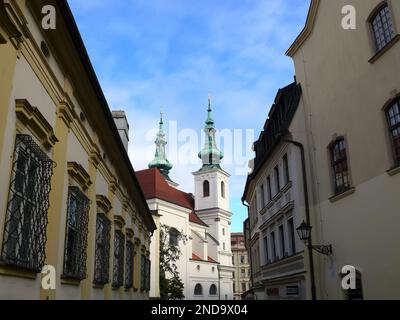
304,232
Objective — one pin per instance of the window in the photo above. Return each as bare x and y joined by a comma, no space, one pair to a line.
213,290
118,274
143,271
242,273
234,288
129,263
262,196
382,27
148,271
357,293
266,249
206,189
282,242
173,237
242,259
198,290
28,203
243,287
292,240
76,235
223,231
273,247
233,260
223,189
340,166
277,180
224,246
286,169
393,116
269,188
102,254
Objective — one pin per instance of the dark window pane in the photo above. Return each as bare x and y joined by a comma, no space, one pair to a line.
28,203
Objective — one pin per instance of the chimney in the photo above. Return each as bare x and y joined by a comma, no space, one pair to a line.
123,126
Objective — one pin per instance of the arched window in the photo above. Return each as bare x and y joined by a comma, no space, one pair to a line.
340,167
198,290
223,189
393,116
206,189
213,290
382,26
173,237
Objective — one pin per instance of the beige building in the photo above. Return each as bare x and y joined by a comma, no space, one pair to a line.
70,200
351,90
241,263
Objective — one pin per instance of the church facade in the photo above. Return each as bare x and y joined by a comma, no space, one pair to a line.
205,265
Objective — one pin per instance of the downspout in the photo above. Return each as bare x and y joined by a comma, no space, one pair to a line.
307,208
219,284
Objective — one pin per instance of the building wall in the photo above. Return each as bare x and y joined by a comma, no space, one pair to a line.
240,278
347,99
71,142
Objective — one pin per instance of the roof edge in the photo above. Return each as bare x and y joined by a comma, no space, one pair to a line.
308,28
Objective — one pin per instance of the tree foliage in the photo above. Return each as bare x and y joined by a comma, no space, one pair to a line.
171,285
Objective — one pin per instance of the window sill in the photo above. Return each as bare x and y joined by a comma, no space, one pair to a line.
287,187
70,282
277,196
392,172
342,195
382,51
11,272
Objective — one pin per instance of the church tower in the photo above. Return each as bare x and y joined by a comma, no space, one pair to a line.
160,159
212,203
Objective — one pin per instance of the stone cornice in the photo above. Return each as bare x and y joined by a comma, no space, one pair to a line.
7,24
119,221
129,233
66,113
79,174
32,118
103,203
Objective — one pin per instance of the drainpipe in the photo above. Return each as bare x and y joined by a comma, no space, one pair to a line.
307,207
249,251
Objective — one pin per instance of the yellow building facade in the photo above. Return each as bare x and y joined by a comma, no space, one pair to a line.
70,200
347,62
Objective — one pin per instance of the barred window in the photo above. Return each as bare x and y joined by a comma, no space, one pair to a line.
393,116
340,167
102,254
118,272
76,234
129,262
28,203
382,27
148,275
143,271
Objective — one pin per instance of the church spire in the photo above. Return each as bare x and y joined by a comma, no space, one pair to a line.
160,160
211,156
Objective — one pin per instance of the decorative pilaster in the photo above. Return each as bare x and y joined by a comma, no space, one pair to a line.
58,203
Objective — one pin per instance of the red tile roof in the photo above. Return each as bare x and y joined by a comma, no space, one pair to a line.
155,186
197,258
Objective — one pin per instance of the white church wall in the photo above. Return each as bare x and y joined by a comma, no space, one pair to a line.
205,274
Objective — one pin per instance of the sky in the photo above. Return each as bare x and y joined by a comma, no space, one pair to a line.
170,55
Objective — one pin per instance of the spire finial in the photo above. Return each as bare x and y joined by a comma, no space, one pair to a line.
209,102
161,117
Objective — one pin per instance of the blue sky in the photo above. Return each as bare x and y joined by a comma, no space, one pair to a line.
173,53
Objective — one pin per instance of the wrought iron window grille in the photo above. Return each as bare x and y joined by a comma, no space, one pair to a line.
102,251
24,237
118,270
75,252
129,264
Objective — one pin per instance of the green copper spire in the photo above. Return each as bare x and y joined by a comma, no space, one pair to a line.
211,156
160,160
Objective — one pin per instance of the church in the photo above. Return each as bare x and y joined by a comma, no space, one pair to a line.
205,265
